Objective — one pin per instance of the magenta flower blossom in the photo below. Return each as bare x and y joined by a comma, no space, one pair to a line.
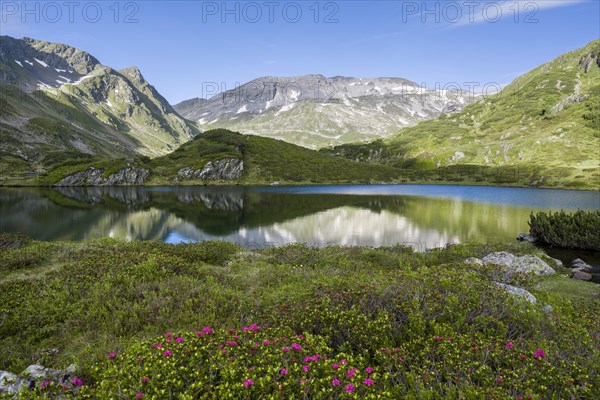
335,382
368,382
351,373
285,349
248,383
539,353
305,368
343,362
179,340
335,366
112,355
499,380
207,330
167,353
349,388
509,345
253,328
76,382
523,356
283,371
231,343
296,346
157,345
369,370
45,384
139,395
266,342
145,379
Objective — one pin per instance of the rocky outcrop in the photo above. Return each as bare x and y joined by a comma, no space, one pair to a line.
128,176
33,376
526,264
225,169
588,61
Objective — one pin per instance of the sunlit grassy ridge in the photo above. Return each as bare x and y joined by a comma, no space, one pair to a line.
546,121
445,328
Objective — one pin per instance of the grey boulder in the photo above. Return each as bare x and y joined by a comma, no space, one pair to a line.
518,292
525,264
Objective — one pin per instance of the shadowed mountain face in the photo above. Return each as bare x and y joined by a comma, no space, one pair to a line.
314,111
59,102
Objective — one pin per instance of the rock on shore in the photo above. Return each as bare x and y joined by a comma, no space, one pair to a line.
128,176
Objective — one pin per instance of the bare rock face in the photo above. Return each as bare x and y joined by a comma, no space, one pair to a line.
128,176
225,169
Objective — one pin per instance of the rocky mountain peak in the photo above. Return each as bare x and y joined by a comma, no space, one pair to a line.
134,75
316,111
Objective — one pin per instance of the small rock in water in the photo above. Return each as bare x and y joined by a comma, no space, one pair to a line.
581,265
524,237
581,275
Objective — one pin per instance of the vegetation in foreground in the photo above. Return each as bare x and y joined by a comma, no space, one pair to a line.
211,320
579,230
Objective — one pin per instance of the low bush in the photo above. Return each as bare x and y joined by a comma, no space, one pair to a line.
579,230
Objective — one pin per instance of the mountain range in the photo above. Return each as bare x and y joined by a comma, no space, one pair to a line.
64,113
314,111
58,101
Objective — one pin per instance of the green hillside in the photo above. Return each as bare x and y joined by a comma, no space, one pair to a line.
546,124
265,161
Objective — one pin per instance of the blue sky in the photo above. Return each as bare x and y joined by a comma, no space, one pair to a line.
183,46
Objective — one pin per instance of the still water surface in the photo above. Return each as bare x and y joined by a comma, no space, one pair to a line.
423,216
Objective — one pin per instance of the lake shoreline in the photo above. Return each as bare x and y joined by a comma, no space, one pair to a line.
290,184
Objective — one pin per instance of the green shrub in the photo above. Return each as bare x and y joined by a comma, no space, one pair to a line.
580,230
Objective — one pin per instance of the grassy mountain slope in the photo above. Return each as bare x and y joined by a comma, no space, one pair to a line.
266,160
59,103
546,123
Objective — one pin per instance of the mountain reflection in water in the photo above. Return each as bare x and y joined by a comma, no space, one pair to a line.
262,217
